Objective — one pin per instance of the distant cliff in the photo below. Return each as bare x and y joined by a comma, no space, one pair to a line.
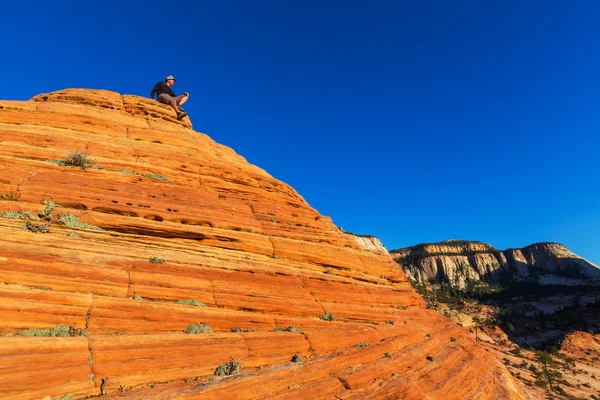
458,262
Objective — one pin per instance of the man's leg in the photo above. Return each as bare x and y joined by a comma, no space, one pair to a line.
184,98
169,100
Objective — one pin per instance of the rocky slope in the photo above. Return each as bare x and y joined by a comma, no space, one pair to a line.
167,229
541,296
458,262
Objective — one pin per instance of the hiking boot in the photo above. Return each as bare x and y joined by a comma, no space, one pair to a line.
181,115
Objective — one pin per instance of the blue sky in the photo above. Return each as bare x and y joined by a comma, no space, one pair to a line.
415,121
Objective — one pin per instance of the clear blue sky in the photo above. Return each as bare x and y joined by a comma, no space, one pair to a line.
415,121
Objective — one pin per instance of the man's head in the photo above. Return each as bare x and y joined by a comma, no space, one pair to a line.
169,80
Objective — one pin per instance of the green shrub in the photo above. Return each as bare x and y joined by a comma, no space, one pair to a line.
360,344
137,297
429,358
78,158
56,331
191,302
296,358
71,221
541,383
391,322
198,329
292,329
18,215
388,355
327,316
12,196
327,271
156,260
157,177
229,368
65,396
453,339
516,351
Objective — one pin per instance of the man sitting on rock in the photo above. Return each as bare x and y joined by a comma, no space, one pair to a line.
168,97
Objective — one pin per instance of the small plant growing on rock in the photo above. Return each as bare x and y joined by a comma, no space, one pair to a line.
399,307
196,329
56,331
453,339
19,215
78,158
156,260
229,368
296,358
391,322
428,335
71,221
137,297
273,220
191,302
277,329
292,329
35,228
157,177
327,316
429,358
46,214
388,355
66,396
327,271
12,196
360,344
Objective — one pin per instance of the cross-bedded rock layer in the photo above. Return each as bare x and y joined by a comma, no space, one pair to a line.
182,217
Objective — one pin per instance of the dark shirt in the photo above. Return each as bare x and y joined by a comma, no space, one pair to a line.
162,87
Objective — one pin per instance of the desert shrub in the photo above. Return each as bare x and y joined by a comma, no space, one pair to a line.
360,344
156,260
196,329
191,302
229,368
292,329
453,339
388,355
12,196
296,358
19,215
56,331
327,271
137,297
391,322
157,177
429,358
327,316
71,221
78,158
516,351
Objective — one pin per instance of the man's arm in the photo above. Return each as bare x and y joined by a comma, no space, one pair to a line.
155,90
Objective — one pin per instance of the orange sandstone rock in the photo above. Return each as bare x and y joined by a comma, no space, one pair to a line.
172,215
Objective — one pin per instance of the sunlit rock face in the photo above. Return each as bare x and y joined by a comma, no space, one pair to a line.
458,262
156,227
